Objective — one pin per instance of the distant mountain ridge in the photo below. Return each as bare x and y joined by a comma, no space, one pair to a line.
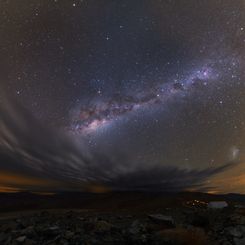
108,201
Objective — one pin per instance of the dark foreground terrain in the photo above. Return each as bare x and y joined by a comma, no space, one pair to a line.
121,218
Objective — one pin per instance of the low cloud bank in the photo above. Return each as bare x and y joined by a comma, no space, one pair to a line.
28,148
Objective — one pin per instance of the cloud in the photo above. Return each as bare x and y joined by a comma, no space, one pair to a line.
27,146
39,158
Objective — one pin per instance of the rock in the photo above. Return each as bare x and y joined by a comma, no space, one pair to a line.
63,242
189,226
241,211
44,213
88,226
242,220
2,237
183,236
242,227
8,240
29,242
162,219
10,226
50,231
69,234
136,228
238,241
28,231
235,231
218,204
238,219
20,239
224,242
102,226
199,220
239,206
54,228
137,233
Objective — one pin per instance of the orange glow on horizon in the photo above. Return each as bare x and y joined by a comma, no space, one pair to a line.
97,188
5,189
230,181
12,182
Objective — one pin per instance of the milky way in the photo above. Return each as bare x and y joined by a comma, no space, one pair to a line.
143,86
99,113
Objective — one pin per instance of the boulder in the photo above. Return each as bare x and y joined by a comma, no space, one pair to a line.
54,228
199,220
20,239
102,226
137,227
10,226
69,235
3,237
238,219
162,220
28,231
239,206
238,241
235,231
50,231
183,236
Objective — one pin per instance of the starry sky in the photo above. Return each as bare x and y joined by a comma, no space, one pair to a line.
139,95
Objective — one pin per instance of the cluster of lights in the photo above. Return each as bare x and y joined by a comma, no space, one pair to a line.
196,203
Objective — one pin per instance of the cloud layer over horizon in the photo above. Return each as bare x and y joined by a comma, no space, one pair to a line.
53,161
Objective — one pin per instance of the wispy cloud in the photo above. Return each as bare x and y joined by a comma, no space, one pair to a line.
41,158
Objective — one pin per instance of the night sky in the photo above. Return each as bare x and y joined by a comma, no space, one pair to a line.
128,95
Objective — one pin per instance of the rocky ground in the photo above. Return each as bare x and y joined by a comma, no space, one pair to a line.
188,224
